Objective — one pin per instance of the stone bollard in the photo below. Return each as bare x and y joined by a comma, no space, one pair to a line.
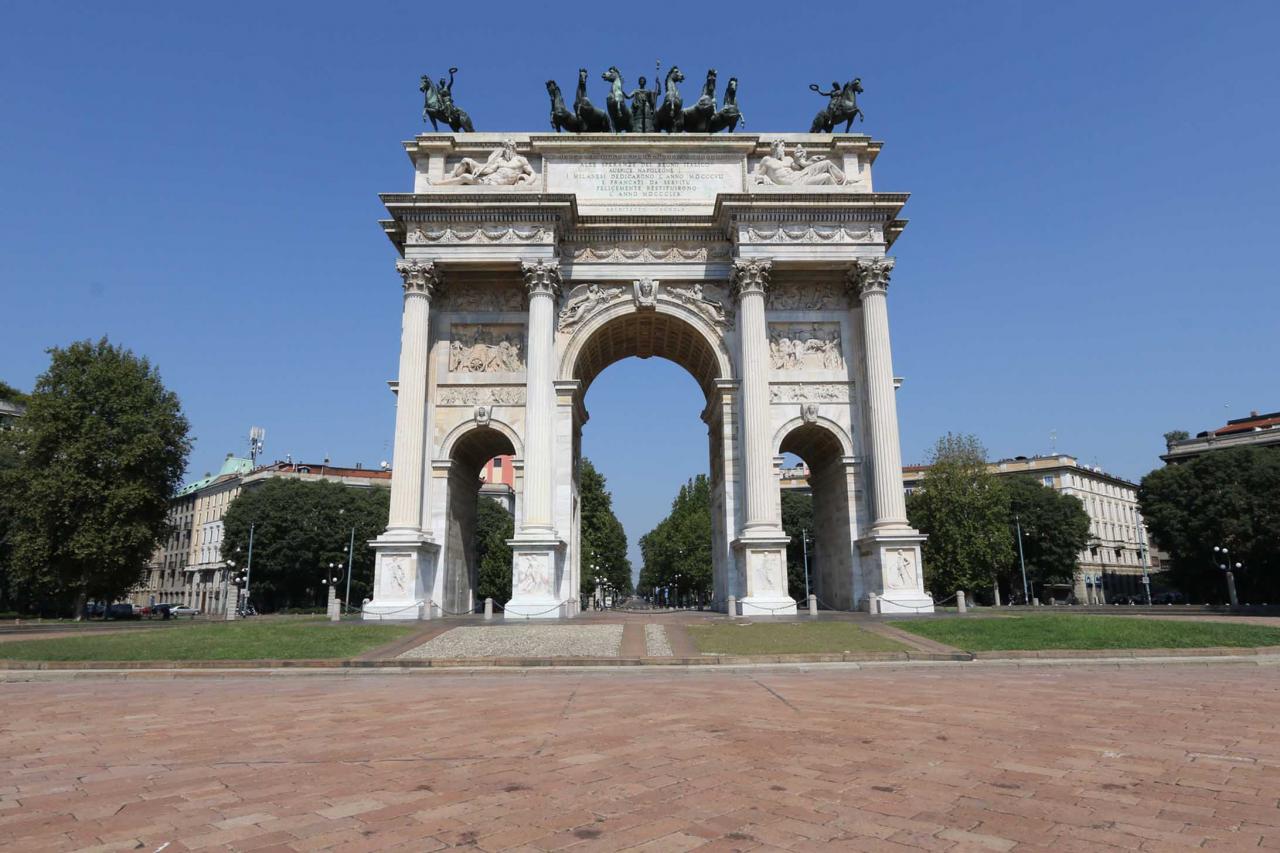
488,608
233,604
335,608
424,610
731,606
960,607
1035,602
873,604
813,605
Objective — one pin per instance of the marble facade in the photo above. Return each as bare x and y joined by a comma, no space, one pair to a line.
769,288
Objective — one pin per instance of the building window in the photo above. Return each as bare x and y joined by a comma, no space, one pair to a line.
497,462
1048,479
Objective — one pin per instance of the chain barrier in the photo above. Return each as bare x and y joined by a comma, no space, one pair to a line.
368,614
544,612
913,606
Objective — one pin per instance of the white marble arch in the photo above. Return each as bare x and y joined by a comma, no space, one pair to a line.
705,353
687,257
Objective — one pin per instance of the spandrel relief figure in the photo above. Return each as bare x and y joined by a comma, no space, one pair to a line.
781,169
582,305
504,168
696,298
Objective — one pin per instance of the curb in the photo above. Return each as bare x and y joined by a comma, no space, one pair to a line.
11,670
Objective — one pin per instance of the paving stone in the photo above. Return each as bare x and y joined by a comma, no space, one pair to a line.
1081,758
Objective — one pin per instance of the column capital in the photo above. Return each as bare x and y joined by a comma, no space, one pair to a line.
870,274
420,277
541,277
751,275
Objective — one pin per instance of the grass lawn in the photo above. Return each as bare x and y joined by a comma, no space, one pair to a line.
1088,632
279,640
780,638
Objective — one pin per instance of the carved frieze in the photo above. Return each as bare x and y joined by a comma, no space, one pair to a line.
480,395
805,346
483,348
807,233
811,296
650,253
532,574
425,233
804,392
460,297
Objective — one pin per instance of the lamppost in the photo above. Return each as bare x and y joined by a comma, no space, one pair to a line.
804,548
1220,552
676,580
1142,549
1026,593
248,569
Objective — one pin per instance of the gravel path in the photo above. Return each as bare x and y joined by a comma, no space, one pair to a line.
508,641
656,644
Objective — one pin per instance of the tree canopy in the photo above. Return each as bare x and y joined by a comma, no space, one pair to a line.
964,512
494,527
99,454
797,519
1225,498
681,543
604,541
1055,529
299,528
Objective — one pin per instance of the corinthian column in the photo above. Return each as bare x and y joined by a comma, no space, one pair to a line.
542,279
421,279
869,281
750,281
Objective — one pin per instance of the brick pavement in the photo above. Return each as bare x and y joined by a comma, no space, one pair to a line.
984,758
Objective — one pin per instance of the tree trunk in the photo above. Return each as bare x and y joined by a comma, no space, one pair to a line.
995,589
82,599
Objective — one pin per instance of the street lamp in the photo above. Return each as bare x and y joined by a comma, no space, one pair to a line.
1026,593
1220,552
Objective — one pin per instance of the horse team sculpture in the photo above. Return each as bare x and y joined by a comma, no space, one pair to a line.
643,114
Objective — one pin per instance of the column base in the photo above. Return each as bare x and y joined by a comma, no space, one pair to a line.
894,572
404,570
533,585
765,556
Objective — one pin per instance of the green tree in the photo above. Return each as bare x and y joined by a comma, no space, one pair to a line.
9,394
1055,529
964,511
299,528
604,541
678,550
494,527
8,465
1176,435
100,452
797,519
1228,498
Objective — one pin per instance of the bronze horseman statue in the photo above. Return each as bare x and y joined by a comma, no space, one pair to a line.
438,104
843,106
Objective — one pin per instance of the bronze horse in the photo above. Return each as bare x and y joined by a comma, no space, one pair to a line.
593,120
729,115
562,118
697,118
842,108
669,114
619,113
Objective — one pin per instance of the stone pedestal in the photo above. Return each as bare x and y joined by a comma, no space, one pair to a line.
533,588
765,563
895,558
404,570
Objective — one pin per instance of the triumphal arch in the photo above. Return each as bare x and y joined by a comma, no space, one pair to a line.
532,262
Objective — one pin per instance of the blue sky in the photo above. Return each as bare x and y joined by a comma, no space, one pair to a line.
1091,249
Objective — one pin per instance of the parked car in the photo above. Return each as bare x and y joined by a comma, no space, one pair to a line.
183,610
122,611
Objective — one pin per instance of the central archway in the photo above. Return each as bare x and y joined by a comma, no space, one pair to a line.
684,337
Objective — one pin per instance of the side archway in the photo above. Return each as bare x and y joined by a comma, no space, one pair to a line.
834,566
468,447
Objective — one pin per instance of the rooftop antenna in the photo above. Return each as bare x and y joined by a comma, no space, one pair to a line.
257,435
1053,442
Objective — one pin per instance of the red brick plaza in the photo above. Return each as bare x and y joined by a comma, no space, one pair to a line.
964,757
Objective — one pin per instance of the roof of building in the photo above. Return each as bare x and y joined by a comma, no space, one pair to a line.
1255,421
232,466
1033,465
325,469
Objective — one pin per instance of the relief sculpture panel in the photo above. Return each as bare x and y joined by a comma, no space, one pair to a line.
483,348
805,346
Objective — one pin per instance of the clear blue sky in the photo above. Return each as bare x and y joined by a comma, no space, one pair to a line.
1091,248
